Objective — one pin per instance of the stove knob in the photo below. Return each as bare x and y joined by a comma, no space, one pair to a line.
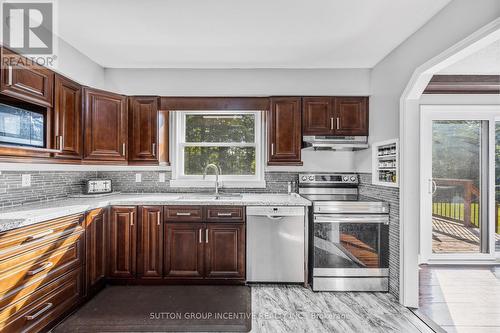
353,178
346,178
304,178
311,177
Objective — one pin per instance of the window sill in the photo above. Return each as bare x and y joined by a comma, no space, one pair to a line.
223,183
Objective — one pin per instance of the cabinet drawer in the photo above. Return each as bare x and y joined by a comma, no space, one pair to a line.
36,311
183,213
13,242
37,270
230,214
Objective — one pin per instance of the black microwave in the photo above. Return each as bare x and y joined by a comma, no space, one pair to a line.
22,124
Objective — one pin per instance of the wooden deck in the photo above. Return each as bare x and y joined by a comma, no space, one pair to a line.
453,237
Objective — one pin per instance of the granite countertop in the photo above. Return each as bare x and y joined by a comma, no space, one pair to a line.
25,215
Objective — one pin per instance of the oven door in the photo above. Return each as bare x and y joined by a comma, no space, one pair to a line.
350,245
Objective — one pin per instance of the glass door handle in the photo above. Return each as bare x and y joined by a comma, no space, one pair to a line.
432,186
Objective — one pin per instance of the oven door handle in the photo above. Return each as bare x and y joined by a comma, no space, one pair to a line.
355,219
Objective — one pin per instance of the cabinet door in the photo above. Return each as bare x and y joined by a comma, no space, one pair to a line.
67,118
143,130
28,83
351,115
95,250
317,116
150,242
122,242
105,135
285,137
225,251
184,250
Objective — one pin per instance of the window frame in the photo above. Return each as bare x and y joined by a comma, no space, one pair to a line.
178,143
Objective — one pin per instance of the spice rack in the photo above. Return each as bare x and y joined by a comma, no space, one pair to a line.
385,163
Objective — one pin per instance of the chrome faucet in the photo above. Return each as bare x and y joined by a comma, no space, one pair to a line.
217,173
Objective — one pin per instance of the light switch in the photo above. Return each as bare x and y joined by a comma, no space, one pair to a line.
161,178
26,180
138,177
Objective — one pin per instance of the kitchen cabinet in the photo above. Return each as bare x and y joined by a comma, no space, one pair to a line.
105,127
317,116
225,251
96,235
67,118
341,116
150,242
284,131
32,84
122,242
351,116
143,130
184,250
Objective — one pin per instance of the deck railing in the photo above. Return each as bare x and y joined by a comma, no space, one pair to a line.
466,212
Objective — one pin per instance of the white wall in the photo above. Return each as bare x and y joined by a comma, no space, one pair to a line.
238,82
77,66
390,76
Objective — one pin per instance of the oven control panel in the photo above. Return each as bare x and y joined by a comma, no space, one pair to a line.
336,178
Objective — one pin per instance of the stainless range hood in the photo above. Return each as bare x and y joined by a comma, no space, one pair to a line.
326,142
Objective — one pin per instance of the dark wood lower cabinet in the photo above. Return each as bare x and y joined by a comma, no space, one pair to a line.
150,243
96,223
122,242
225,251
184,250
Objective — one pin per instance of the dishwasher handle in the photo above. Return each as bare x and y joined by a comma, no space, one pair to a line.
276,218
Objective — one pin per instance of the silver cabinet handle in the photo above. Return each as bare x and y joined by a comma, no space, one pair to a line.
46,308
10,76
40,235
331,123
272,148
338,123
132,219
157,218
41,269
123,149
154,149
199,235
206,235
224,214
183,214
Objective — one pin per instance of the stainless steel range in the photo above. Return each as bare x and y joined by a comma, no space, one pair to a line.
349,245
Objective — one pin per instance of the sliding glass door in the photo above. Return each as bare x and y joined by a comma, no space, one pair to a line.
458,207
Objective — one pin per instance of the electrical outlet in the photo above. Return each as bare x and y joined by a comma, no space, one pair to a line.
26,180
138,177
161,178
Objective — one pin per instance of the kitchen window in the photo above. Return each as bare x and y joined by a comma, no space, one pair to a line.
230,139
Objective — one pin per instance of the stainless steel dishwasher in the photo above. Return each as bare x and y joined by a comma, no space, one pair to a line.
276,244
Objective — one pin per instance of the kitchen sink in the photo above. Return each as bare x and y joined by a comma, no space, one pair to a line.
212,197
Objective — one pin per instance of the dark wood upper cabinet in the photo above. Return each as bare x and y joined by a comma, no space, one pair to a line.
225,251
351,116
284,131
150,242
122,242
184,250
143,130
317,116
67,118
96,223
29,83
106,127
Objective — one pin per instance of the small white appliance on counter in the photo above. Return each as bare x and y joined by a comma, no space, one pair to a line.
276,244
98,186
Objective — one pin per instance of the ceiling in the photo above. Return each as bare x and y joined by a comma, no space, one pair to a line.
485,61
241,33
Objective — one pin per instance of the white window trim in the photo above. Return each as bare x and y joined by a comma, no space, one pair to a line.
177,128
